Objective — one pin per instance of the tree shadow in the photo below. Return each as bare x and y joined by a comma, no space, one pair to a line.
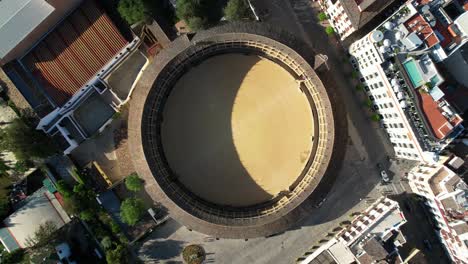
162,250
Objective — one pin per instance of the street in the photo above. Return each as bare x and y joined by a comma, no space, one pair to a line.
358,182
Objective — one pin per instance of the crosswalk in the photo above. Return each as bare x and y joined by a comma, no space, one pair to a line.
392,188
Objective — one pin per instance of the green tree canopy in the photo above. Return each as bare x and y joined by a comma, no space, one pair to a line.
322,16
25,142
133,182
329,30
106,242
132,210
133,10
198,14
117,255
43,234
237,10
16,256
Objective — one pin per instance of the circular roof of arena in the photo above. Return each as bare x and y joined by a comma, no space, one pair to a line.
232,130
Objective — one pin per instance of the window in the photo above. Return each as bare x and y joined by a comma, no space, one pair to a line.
401,125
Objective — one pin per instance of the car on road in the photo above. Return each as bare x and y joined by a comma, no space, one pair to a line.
427,244
319,204
384,176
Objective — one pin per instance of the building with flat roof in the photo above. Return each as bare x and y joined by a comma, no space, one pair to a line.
40,207
347,16
67,72
445,195
400,70
372,237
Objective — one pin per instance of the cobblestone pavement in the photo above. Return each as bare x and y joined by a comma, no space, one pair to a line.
357,186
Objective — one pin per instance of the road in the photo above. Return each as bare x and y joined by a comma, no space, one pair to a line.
357,185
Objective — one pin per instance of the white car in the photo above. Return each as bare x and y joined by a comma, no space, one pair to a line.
384,176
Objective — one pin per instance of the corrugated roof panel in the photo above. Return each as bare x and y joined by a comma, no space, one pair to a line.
8,240
75,51
18,18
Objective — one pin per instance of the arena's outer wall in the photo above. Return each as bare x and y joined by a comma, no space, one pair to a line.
146,148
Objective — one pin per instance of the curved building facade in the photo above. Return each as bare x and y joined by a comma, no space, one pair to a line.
232,130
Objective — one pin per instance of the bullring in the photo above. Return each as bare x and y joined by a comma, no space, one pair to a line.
232,130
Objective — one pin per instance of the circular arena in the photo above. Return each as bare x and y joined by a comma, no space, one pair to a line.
232,130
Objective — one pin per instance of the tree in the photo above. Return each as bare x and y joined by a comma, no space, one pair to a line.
106,242
329,30
64,189
322,16
132,210
25,142
133,10
4,168
16,256
87,215
43,234
237,10
133,182
198,14
193,254
117,255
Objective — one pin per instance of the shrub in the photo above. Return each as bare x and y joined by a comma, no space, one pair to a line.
117,255
375,117
132,210
64,189
329,30
322,16
133,182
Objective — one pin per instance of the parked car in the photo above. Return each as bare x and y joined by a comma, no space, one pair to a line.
319,204
384,176
427,244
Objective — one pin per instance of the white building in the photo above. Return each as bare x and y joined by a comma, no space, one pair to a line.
446,198
397,67
347,16
363,241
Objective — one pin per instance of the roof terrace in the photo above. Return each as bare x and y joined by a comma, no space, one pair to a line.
406,41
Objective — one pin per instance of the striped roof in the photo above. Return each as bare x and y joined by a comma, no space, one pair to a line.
74,52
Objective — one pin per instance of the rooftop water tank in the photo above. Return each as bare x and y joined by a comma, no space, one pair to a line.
376,36
389,25
387,42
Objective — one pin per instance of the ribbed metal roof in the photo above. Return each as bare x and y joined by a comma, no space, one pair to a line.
18,18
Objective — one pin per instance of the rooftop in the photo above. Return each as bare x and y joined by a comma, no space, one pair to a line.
74,52
40,207
422,29
414,37
13,24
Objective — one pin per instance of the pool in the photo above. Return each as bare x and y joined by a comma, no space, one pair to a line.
413,73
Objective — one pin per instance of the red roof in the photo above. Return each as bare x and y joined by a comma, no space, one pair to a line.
74,52
444,31
439,123
424,31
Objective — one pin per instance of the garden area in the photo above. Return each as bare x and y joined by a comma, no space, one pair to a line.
197,14
81,202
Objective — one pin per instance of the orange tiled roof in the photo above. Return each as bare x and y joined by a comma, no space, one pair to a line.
74,52
439,123
424,31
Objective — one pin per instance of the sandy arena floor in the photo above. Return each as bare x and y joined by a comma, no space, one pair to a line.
237,130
